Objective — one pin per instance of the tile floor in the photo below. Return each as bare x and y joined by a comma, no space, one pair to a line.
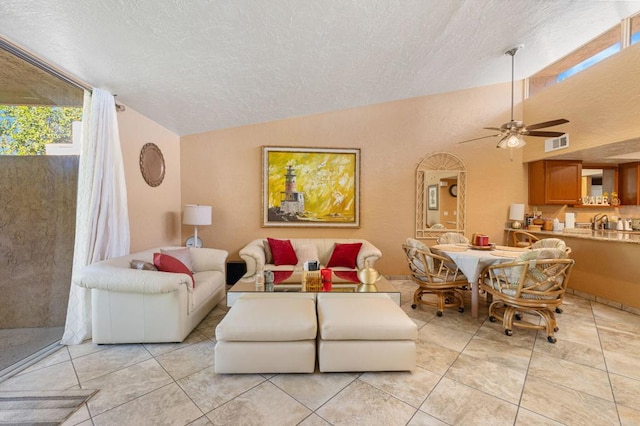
468,373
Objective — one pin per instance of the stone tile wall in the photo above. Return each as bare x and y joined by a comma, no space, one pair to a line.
37,228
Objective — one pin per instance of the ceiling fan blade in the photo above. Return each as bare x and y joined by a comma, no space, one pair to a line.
482,137
544,134
547,124
493,128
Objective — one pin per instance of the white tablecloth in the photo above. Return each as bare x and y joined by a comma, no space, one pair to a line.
471,262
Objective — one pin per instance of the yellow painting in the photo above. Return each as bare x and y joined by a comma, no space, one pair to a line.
311,186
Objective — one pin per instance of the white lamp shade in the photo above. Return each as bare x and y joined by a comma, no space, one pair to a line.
196,215
516,212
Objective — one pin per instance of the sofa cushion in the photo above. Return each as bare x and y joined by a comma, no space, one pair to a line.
283,252
182,254
166,263
305,253
344,255
268,257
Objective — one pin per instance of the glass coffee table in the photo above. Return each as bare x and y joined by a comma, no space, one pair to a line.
291,282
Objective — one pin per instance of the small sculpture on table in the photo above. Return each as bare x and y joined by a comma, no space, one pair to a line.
368,277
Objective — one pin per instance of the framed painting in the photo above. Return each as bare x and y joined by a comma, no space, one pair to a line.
310,187
432,197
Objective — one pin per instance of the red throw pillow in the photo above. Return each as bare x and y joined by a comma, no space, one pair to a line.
283,252
166,263
344,255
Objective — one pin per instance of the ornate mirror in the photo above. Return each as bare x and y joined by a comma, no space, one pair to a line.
441,182
152,164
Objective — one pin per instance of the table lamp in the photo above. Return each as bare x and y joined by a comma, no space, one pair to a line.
195,215
516,215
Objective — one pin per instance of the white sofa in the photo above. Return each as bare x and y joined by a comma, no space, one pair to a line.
254,253
140,306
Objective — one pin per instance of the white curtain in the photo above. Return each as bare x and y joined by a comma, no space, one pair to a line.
102,220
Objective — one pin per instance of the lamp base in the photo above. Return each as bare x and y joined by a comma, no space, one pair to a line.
516,224
194,242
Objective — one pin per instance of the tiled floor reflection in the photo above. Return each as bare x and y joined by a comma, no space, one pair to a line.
468,372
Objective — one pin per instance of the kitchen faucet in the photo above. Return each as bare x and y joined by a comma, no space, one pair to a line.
600,221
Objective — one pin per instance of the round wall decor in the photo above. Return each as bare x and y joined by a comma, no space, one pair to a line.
152,164
453,190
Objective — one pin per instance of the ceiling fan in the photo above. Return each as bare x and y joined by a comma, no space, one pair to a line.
511,133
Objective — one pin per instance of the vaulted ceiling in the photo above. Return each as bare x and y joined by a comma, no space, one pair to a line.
195,66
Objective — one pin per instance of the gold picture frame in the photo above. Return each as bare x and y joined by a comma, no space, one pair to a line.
310,187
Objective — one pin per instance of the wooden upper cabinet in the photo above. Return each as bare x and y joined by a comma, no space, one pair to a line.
555,182
628,179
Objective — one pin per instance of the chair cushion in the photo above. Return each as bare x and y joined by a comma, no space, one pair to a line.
412,242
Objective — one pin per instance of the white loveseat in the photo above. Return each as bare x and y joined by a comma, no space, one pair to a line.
255,257
139,306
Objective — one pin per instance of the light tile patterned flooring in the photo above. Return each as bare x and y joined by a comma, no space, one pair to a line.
468,373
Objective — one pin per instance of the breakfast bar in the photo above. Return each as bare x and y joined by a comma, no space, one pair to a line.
606,268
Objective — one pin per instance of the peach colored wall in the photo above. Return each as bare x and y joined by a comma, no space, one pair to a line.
223,168
154,212
601,103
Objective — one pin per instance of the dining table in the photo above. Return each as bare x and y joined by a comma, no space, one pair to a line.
471,261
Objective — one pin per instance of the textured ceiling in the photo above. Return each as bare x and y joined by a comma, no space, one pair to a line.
200,65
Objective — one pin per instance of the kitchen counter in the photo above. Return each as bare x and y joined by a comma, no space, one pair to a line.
609,235
606,268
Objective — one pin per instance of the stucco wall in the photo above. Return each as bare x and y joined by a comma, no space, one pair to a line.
154,212
223,168
602,104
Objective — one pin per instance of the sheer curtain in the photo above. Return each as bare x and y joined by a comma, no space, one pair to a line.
102,221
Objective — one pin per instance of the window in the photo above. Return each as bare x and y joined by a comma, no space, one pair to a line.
591,53
635,29
38,106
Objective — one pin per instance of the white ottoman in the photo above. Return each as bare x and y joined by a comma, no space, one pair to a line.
267,334
364,332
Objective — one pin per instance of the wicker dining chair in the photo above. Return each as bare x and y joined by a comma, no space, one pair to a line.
452,238
552,243
523,239
434,277
535,283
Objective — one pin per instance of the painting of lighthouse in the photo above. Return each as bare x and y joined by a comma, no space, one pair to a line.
316,187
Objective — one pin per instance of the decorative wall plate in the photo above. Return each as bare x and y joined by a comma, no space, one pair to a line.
152,164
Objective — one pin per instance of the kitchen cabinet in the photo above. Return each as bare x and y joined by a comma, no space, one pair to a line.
628,179
555,182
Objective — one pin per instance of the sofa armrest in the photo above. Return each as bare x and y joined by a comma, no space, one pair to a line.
208,259
368,255
254,256
115,278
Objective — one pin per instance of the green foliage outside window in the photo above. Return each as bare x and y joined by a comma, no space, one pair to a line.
25,130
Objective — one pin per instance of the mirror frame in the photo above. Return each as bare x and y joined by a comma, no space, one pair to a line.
439,161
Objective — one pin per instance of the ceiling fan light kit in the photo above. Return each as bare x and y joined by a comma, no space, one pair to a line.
512,133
